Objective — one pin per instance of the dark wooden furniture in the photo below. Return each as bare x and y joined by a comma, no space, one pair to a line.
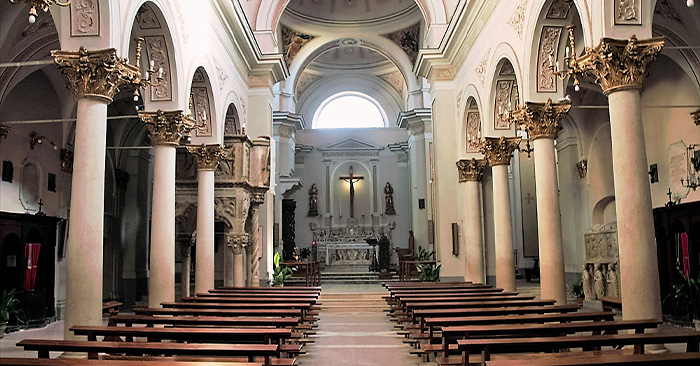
218,312
111,307
83,362
610,303
532,272
219,321
587,358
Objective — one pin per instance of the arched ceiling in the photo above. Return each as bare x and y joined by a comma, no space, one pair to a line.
350,11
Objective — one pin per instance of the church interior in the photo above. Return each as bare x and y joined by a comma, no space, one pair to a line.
153,150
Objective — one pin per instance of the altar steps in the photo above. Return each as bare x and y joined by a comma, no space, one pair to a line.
355,278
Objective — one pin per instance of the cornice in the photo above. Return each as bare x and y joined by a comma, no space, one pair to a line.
289,118
414,116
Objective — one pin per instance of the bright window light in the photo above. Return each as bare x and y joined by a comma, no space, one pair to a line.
349,110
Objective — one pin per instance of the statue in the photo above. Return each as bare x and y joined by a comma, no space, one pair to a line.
587,282
612,282
313,200
389,199
599,283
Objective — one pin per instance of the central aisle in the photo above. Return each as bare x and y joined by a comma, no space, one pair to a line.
353,330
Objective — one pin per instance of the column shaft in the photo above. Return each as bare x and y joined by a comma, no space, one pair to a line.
505,263
228,267
473,233
639,271
553,283
84,252
186,280
204,270
161,283
238,269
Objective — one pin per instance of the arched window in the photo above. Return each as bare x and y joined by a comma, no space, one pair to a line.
349,110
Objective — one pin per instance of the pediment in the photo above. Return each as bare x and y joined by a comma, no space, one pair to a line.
351,144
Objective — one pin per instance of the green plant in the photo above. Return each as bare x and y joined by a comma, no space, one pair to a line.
9,307
304,253
423,255
429,272
576,290
280,274
686,297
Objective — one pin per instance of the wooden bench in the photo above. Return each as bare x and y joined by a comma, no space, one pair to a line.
290,295
263,289
578,358
610,303
219,312
487,346
111,307
84,362
44,346
248,299
219,321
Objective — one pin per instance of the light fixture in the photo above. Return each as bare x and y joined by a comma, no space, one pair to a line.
41,4
151,73
690,3
572,64
36,139
691,179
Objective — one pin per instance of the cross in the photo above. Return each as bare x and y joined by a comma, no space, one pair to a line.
528,198
352,179
40,203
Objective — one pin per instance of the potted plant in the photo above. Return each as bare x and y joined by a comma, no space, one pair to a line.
429,272
9,308
304,253
280,274
686,298
576,290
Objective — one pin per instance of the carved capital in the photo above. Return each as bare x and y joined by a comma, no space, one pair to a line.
166,128
499,151
471,170
541,120
696,117
208,157
67,160
95,74
619,64
237,243
257,197
4,130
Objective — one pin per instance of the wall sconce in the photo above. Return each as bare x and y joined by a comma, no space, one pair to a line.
693,156
35,138
41,4
153,78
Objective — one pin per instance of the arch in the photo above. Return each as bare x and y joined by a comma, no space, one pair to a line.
366,171
603,209
155,18
232,100
232,121
203,107
471,104
336,97
503,53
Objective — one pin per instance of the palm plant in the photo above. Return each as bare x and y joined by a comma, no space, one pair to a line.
280,274
686,296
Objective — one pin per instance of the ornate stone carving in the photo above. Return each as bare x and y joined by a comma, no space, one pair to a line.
481,68
549,42
304,80
407,39
517,20
559,9
67,160
157,50
473,131
666,10
504,89
146,18
85,18
4,130
541,120
313,200
582,167
237,243
222,77
395,79
207,156
696,117
182,21
166,128
292,42
603,260
471,170
389,199
257,198
95,74
199,107
444,74
225,209
620,64
499,150
628,12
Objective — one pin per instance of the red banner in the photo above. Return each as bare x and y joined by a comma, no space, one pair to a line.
31,253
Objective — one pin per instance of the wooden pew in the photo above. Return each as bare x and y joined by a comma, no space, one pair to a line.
111,307
260,294
211,335
475,304
219,312
219,321
303,306
263,289
488,346
576,359
248,299
44,346
83,362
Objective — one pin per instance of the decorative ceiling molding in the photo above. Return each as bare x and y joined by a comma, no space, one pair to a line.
407,39
559,9
304,81
292,42
517,20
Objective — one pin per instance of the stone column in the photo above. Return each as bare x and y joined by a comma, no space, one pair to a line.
165,130
498,153
93,78
254,250
236,244
186,267
208,158
418,122
471,172
541,121
619,67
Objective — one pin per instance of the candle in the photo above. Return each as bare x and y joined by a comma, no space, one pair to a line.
566,52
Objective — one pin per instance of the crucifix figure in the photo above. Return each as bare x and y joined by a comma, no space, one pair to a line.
352,179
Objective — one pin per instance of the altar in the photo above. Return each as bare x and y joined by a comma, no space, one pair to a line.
346,254
346,246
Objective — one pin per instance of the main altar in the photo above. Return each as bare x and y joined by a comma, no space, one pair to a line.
345,247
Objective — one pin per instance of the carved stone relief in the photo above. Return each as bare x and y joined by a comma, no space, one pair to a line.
157,50
481,68
628,12
549,44
292,42
666,10
85,18
407,39
503,100
517,20
559,9
222,77
201,111
473,131
395,79
146,18
603,261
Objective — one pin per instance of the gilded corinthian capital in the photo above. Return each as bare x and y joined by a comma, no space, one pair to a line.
208,157
619,64
541,120
166,128
95,74
499,150
471,170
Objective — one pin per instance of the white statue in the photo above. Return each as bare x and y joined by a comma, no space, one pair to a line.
599,283
587,282
612,282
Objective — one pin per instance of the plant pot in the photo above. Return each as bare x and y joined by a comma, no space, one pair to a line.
3,325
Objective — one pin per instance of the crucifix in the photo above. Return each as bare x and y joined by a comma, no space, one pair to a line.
352,179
